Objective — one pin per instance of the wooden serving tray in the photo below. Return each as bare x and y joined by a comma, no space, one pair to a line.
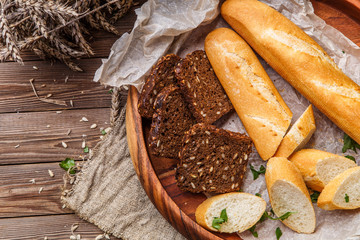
157,174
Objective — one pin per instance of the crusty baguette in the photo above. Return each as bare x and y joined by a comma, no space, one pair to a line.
288,193
343,192
299,60
263,112
318,168
298,135
243,210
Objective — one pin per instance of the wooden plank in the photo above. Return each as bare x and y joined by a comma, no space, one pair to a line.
39,143
20,197
52,227
16,93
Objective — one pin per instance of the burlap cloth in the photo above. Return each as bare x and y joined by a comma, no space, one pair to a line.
107,191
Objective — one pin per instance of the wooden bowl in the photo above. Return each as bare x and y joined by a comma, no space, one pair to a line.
157,174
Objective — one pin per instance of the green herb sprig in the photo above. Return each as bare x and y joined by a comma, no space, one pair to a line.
86,149
314,196
278,233
220,220
351,158
68,165
349,143
256,173
346,198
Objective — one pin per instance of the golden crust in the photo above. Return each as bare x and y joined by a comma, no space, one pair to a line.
262,110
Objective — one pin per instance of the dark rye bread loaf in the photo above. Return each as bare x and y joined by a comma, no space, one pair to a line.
212,160
170,121
201,88
162,74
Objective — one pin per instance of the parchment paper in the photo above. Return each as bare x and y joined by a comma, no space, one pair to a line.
134,54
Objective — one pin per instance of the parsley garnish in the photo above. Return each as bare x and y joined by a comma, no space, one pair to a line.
282,217
86,149
110,91
258,194
314,196
67,164
253,232
103,132
278,233
343,51
346,198
349,143
257,173
351,158
220,220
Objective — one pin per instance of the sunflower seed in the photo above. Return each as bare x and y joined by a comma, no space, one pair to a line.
51,174
84,119
17,146
71,103
83,144
41,189
64,144
93,126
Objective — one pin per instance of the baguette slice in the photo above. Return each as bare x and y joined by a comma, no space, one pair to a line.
243,210
298,135
265,115
333,196
288,193
318,168
298,59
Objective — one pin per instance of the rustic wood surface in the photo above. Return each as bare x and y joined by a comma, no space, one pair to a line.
24,212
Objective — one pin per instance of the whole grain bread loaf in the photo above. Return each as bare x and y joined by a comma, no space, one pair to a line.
212,160
162,74
170,121
201,88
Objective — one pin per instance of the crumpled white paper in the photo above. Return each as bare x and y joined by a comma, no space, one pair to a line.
131,57
159,24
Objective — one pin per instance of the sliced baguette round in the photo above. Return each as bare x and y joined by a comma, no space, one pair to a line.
318,168
298,135
243,210
288,193
345,184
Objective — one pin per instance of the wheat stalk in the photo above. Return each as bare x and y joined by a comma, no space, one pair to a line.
55,29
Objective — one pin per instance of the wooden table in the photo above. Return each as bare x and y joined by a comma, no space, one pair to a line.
32,132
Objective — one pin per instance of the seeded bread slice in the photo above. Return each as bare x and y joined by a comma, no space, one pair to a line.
212,160
201,88
170,121
161,75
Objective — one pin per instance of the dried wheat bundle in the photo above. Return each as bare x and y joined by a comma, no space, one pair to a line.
55,29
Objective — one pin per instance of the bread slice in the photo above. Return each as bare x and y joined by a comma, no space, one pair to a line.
243,211
162,74
212,160
202,90
318,168
298,135
265,115
170,121
288,193
343,192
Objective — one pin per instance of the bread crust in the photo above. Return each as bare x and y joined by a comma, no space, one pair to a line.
298,135
306,161
262,110
299,60
201,210
326,197
281,169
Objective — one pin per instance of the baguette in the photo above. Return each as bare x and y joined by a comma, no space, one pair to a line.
343,192
243,211
318,168
288,193
265,115
298,135
299,60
